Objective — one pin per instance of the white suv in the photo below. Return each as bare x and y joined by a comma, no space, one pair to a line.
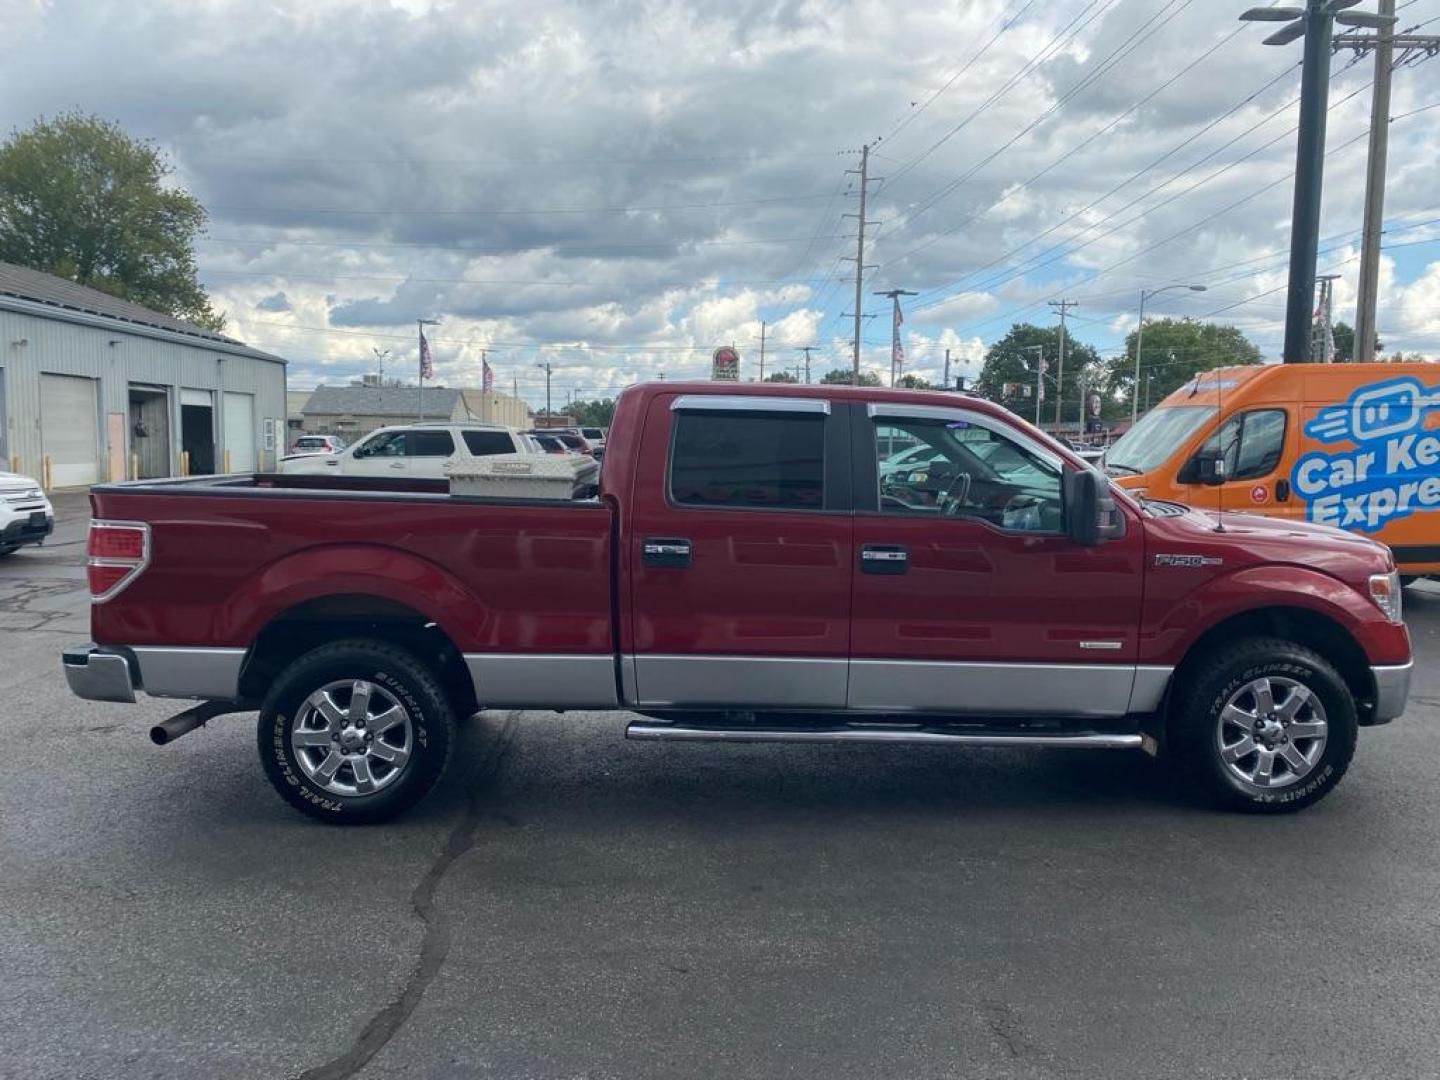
413,450
26,516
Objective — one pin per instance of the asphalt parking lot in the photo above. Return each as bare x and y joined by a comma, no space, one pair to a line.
571,905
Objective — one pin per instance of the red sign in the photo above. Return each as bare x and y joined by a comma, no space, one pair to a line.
725,365
1259,493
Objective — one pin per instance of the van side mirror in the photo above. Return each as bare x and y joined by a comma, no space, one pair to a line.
1091,516
1209,466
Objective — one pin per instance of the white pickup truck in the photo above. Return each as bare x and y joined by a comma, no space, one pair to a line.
420,450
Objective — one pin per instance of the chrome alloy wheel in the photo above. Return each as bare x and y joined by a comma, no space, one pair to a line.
352,737
1272,732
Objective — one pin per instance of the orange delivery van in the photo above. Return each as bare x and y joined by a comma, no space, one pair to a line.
1353,445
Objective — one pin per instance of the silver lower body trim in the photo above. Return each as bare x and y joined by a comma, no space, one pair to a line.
213,674
925,736
543,680
1392,691
741,682
999,689
1151,682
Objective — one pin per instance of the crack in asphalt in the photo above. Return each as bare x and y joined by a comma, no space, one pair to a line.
435,943
27,592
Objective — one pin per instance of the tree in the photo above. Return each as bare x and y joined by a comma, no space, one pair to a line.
915,382
1008,374
781,377
1176,350
596,413
841,377
82,200
1345,342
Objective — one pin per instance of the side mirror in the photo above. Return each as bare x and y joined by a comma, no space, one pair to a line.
1210,467
1091,516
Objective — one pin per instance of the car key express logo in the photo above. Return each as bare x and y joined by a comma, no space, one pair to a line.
1393,470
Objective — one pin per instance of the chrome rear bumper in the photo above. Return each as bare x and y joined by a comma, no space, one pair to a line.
97,674
1392,690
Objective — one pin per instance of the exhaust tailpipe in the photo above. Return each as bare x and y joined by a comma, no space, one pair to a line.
167,731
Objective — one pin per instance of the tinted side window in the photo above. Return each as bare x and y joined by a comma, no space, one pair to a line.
773,461
483,443
391,444
431,444
1262,441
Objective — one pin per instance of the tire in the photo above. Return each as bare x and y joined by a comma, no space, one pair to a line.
1216,711
303,736
4,550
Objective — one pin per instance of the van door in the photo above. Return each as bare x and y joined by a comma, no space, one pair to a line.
739,554
969,596
1257,481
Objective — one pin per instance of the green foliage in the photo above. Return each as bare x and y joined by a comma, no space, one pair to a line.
781,377
595,413
82,200
1176,350
1012,360
915,382
841,377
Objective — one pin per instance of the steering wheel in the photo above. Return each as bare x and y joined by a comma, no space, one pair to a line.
955,495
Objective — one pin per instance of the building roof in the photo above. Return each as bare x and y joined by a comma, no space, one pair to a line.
23,283
398,401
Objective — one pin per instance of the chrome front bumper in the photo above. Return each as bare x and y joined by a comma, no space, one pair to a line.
98,675
1392,690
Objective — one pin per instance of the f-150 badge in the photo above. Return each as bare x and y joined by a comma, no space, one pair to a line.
1188,560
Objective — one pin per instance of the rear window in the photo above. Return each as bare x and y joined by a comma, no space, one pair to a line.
309,443
773,461
592,433
483,443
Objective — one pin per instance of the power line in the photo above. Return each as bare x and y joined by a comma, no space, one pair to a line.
541,211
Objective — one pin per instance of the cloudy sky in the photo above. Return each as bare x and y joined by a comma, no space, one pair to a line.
618,186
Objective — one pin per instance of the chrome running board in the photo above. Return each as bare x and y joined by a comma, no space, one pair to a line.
861,733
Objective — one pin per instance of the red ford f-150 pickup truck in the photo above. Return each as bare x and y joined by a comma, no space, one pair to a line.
763,563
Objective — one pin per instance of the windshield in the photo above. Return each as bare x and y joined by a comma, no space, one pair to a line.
1158,435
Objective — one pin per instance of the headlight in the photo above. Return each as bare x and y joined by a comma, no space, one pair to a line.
1385,591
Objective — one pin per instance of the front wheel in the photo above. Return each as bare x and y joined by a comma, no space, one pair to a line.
1265,725
355,732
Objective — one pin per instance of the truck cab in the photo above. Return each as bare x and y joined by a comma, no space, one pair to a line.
1355,446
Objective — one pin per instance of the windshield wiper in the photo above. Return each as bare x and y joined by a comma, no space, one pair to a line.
1131,469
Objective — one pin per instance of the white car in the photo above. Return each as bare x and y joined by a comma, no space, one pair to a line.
412,450
26,516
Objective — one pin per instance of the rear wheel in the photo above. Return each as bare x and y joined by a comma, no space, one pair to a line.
355,732
1265,725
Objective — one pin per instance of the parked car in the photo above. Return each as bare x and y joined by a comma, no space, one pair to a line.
744,576
1351,445
318,444
412,450
576,444
593,435
26,516
548,443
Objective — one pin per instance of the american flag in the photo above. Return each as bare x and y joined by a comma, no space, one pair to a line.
427,366
897,354
487,375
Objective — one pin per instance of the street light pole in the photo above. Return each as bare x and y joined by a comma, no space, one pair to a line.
1146,294
545,367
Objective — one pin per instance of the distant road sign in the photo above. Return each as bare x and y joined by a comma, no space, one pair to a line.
725,365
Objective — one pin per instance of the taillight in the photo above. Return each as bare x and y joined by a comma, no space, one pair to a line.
118,551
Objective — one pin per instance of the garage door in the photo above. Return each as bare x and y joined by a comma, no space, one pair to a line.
240,431
69,419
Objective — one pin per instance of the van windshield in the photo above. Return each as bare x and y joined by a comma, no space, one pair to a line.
1159,433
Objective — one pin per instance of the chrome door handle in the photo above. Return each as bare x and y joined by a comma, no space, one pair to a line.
398,465
666,551
883,559
884,556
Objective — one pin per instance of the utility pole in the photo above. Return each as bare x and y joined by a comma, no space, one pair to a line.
1322,342
806,350
1062,306
1315,22
762,351
947,369
897,351
860,267
1039,351
545,367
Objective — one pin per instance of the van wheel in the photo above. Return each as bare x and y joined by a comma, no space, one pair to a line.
1265,725
355,732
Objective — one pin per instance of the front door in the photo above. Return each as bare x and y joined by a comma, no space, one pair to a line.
1253,445
968,596
739,554
383,454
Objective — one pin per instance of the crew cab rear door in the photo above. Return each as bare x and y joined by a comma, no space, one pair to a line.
969,597
739,554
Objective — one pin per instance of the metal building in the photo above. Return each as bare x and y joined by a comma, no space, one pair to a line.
94,388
